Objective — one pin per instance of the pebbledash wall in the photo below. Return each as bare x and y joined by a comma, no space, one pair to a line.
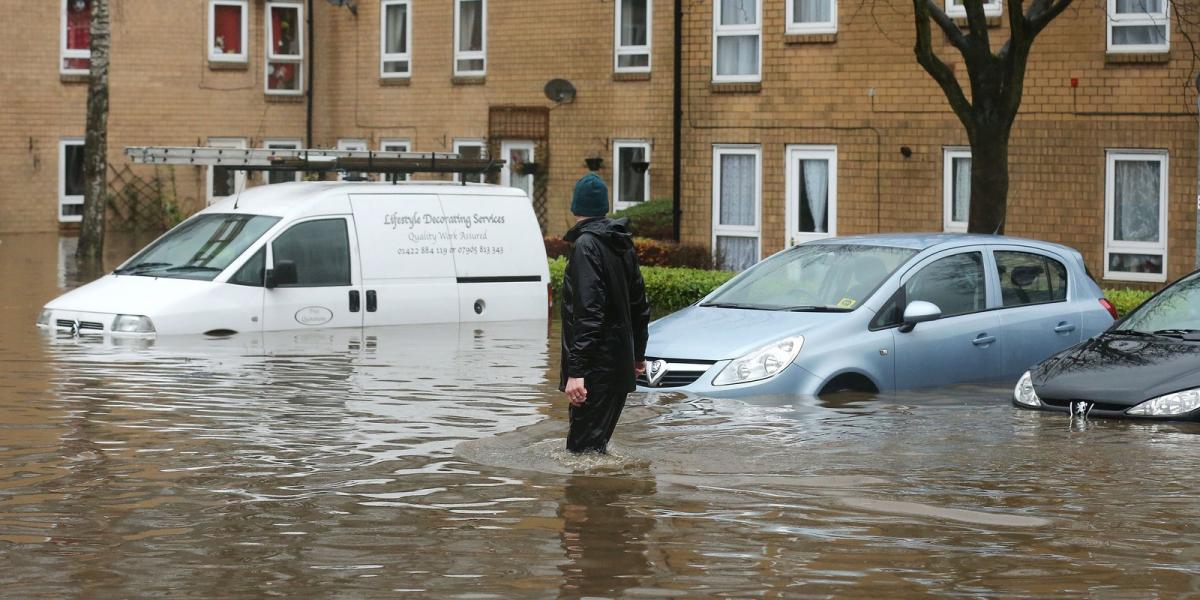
820,117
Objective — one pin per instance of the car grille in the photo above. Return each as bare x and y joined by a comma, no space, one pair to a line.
678,373
1100,406
82,325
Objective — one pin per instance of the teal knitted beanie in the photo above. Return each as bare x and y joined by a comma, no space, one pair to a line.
590,198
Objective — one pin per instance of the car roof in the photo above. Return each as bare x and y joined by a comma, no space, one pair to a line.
297,199
940,241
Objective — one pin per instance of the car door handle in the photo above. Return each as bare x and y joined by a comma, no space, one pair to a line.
983,339
1064,327
372,302
355,302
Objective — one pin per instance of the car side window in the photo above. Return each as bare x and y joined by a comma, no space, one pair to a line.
319,249
955,284
251,273
1027,278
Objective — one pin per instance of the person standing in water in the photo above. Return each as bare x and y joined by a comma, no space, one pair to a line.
604,318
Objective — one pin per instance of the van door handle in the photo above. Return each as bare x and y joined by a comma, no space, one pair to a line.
372,302
1064,327
983,339
355,302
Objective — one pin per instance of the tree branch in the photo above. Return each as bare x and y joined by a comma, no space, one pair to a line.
1041,12
977,25
945,23
933,65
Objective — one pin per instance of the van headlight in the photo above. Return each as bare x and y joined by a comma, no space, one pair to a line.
1024,392
1169,405
764,363
44,318
132,324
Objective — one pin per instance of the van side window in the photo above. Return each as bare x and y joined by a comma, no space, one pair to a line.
1027,278
319,249
955,284
251,273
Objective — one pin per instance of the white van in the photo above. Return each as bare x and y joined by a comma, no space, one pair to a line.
317,254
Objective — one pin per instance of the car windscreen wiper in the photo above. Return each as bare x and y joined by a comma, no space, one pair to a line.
735,305
1185,334
814,308
142,266
1134,332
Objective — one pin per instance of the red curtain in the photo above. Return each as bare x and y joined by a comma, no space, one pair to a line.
79,23
227,26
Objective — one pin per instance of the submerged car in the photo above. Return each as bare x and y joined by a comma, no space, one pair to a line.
879,313
1147,365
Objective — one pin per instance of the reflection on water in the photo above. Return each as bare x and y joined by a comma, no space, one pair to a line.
428,461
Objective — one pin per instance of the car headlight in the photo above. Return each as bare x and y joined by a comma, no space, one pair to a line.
764,363
1169,405
132,324
1024,392
44,318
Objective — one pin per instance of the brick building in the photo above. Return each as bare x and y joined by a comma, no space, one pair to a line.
800,118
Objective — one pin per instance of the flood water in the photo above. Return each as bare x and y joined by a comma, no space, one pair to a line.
427,462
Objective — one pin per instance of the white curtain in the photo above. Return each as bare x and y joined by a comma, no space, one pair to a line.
737,55
812,11
737,253
1139,34
633,184
1135,201
816,187
397,37
962,190
633,22
470,26
737,189
739,12
1134,7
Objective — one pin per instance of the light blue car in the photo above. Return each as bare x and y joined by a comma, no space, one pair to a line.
879,313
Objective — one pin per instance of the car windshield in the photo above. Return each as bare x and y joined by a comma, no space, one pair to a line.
199,248
1175,311
816,278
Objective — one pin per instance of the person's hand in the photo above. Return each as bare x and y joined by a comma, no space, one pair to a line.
639,367
576,392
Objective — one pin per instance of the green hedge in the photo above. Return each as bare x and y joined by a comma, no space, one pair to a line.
671,289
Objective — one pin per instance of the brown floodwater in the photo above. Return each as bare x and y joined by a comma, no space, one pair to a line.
427,461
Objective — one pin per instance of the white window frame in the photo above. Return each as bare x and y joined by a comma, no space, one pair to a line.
1112,246
284,144
796,27
949,153
616,162
719,230
212,31
633,50
720,31
1114,21
384,56
793,154
63,198
458,145
68,53
388,145
269,42
356,144
957,10
239,177
481,54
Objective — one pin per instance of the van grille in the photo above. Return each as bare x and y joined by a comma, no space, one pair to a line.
83,325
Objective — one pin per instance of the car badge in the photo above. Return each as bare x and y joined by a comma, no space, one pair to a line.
655,371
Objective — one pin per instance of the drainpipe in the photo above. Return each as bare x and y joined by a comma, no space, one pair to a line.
312,58
677,122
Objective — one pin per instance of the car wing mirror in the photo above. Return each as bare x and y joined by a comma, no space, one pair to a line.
919,311
284,273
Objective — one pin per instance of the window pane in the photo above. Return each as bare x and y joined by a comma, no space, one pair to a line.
73,170
736,253
471,151
737,189
633,22
960,175
470,65
737,55
397,32
1139,35
812,11
224,182
739,12
1030,278
320,250
251,273
470,26
633,60
1136,200
955,284
74,209
79,23
633,183
814,195
281,176
1140,7
283,76
285,30
227,29
1136,263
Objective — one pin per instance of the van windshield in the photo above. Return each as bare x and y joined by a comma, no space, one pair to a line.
813,278
199,248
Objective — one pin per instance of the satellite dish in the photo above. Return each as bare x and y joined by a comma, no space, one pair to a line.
559,91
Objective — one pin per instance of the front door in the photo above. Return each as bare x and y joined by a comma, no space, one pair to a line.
326,291
516,154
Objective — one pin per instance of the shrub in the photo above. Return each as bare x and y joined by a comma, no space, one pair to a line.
668,289
1126,300
556,247
650,252
651,219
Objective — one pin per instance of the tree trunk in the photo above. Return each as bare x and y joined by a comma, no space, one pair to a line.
989,180
95,147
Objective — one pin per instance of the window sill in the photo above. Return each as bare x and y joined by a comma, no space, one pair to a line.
284,98
751,87
468,80
992,21
631,77
1137,58
793,39
395,81
73,77
221,65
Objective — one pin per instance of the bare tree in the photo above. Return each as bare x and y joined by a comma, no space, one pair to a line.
95,146
996,83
